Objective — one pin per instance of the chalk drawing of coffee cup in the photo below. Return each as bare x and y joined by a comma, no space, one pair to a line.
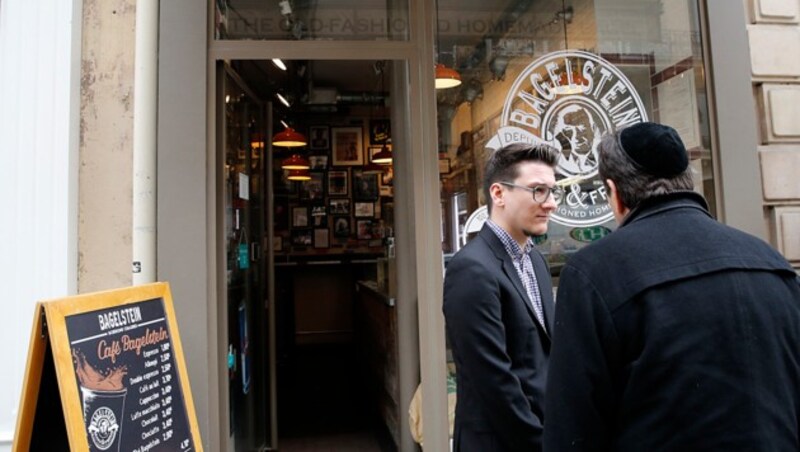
102,412
103,396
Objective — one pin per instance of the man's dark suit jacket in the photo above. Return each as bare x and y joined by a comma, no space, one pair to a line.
499,347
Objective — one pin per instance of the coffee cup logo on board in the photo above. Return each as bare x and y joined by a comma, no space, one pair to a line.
103,428
569,100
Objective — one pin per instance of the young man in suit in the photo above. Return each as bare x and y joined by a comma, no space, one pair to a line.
498,307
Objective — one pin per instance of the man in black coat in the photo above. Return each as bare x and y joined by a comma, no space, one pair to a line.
675,332
498,307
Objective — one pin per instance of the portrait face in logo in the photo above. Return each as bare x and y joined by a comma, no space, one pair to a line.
577,132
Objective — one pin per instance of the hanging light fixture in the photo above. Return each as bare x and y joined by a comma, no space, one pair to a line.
445,77
383,157
299,174
569,82
289,138
296,162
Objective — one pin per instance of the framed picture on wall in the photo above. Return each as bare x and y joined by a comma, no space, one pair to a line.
341,227
379,131
365,230
385,181
299,217
318,137
365,186
348,146
302,237
314,188
318,162
319,216
364,209
339,206
337,182
321,238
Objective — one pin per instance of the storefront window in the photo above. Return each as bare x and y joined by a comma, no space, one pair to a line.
564,73
346,20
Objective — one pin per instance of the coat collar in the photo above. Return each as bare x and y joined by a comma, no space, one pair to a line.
662,203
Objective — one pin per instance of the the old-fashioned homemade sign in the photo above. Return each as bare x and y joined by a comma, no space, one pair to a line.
106,373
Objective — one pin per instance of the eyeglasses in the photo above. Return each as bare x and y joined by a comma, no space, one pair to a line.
541,193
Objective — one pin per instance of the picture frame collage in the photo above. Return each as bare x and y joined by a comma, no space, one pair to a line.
340,205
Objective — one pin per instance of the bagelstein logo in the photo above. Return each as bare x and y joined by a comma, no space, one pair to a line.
103,428
569,99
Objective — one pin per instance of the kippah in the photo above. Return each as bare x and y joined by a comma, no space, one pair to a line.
654,148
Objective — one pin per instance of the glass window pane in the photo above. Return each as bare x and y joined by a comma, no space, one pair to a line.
565,75
343,20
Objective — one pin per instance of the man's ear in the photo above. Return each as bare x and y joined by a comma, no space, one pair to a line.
615,200
497,193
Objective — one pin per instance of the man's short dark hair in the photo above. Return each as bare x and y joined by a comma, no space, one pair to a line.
634,184
503,164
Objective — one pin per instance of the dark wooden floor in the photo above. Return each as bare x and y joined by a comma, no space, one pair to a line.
320,405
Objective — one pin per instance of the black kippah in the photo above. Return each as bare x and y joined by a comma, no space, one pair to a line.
654,148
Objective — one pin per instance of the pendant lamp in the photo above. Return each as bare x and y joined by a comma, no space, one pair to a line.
445,77
300,174
289,138
383,157
567,86
570,82
296,162
257,141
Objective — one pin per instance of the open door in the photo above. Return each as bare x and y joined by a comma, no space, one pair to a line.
245,204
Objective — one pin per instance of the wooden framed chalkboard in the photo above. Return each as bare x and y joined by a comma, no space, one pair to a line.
112,363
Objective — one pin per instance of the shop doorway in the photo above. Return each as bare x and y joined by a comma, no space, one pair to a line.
309,225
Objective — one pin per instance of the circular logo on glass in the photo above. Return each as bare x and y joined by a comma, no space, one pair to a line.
569,100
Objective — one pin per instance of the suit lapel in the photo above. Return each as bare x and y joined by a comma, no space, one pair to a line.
511,272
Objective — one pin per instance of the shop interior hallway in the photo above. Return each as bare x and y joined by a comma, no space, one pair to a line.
322,405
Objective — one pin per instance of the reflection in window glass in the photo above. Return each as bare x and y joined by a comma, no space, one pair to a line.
354,20
565,75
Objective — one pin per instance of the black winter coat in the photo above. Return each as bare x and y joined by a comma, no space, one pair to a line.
675,333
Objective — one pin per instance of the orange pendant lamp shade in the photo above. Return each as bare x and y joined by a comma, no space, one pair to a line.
289,138
446,77
576,86
296,162
301,175
383,157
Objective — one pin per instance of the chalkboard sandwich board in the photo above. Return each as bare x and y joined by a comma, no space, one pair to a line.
106,373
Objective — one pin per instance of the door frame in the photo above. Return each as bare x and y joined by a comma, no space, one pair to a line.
421,332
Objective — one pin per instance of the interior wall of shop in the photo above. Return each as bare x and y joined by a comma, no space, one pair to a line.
40,88
185,205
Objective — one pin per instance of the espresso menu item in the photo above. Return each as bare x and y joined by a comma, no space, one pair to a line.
126,374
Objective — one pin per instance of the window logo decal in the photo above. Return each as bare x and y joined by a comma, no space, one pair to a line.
569,99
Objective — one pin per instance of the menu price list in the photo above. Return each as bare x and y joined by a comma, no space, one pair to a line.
126,374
